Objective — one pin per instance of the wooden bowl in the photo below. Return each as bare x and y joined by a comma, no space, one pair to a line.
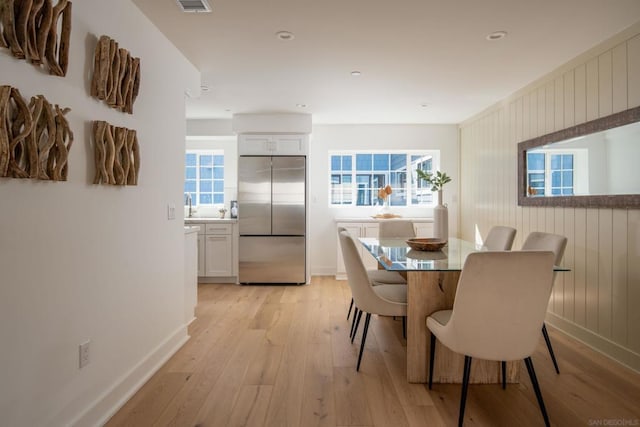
426,244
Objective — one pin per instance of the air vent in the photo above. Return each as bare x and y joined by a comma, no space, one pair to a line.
194,6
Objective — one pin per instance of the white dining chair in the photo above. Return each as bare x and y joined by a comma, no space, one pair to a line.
377,277
500,238
499,307
395,228
540,241
385,300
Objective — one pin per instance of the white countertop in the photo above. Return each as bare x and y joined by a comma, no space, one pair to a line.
197,220
371,219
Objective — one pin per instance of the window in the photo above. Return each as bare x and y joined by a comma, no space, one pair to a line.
355,177
561,174
204,177
549,173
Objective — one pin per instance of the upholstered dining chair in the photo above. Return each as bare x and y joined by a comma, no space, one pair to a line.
500,238
540,241
497,313
396,228
385,300
377,277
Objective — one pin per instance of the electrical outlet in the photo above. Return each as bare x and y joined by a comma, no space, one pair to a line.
171,211
84,353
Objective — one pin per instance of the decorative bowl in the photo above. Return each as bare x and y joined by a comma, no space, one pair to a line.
426,244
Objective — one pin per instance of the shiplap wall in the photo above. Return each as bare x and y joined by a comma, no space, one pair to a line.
598,301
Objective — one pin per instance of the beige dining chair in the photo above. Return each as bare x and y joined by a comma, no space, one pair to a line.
484,326
377,277
540,241
386,229
500,238
385,300
396,228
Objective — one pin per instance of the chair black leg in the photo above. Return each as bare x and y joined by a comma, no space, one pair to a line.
536,388
364,338
465,388
504,374
350,308
548,341
353,321
355,330
432,358
404,327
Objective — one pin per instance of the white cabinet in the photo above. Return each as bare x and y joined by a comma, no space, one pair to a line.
190,276
216,250
357,230
201,252
267,145
369,228
219,255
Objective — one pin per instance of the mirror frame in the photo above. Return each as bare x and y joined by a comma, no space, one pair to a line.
625,201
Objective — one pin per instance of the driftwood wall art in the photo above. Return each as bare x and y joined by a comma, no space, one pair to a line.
116,75
117,154
29,29
35,139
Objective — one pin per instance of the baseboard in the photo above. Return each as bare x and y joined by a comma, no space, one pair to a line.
105,406
602,345
323,271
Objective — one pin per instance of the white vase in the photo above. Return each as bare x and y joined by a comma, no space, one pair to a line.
441,220
385,209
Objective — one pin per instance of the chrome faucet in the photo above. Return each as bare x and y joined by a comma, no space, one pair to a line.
189,203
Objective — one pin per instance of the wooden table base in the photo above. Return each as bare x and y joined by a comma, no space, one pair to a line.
428,292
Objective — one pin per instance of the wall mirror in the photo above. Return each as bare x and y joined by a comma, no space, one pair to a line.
594,164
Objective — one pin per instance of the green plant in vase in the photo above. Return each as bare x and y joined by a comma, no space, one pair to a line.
435,180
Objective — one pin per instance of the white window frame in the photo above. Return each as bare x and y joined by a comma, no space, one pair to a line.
196,200
422,191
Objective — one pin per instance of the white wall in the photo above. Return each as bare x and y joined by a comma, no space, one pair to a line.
598,300
82,262
325,138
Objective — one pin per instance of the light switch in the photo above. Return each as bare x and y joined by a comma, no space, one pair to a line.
171,211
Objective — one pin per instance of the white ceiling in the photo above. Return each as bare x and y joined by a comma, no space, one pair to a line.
410,52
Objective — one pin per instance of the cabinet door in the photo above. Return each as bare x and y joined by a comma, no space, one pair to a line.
201,254
259,145
355,231
290,144
219,256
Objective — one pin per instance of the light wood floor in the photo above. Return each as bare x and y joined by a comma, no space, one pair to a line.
280,356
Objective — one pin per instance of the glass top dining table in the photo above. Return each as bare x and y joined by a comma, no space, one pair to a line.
394,254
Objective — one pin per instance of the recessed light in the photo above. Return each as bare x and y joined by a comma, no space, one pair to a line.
204,88
356,73
285,35
424,105
301,105
496,35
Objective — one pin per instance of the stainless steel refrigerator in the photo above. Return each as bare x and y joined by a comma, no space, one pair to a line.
272,219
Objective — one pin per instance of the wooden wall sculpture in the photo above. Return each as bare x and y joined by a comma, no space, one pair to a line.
116,75
117,154
29,29
35,139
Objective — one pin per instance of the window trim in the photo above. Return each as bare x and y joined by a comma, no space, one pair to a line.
195,201
413,182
